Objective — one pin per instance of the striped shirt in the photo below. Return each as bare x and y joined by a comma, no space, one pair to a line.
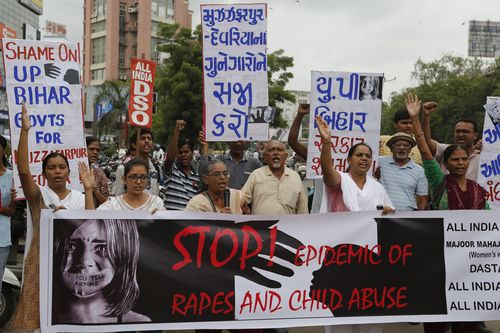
180,188
402,183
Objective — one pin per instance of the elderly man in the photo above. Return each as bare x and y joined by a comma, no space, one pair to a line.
403,179
275,189
402,123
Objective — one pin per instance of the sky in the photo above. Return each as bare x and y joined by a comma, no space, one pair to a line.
377,36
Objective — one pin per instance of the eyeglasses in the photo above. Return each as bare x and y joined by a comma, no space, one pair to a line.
219,174
135,178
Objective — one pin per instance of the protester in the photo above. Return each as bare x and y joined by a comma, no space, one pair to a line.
449,192
7,207
465,134
181,180
275,189
301,150
211,198
101,189
102,250
351,191
402,178
55,169
402,123
239,165
135,180
146,143
158,154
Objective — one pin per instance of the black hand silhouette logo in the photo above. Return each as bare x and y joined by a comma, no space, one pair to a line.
52,70
258,117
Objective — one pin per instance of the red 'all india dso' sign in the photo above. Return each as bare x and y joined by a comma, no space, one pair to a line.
140,105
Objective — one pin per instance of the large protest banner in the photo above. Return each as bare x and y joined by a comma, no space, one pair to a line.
351,103
46,77
234,70
140,105
489,162
115,271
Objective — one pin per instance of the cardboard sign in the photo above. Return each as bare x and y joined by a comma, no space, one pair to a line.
140,105
46,77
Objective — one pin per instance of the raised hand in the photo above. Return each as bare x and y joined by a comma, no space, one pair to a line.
429,108
201,138
86,176
13,194
413,105
304,109
324,129
25,119
179,125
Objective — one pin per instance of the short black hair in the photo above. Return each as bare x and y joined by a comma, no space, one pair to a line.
401,114
135,162
91,139
184,142
53,155
133,138
353,149
470,121
451,149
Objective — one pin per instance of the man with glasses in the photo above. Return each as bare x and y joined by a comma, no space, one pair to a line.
465,134
403,179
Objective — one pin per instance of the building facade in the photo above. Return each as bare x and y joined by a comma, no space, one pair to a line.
117,30
18,19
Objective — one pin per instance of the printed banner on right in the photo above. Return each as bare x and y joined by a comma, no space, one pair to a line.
489,163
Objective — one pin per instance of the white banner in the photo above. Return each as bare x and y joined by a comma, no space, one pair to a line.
234,70
113,270
489,162
351,103
46,77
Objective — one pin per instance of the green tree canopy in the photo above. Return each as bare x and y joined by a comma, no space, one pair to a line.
179,82
459,85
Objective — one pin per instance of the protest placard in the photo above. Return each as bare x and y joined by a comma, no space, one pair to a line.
489,161
46,77
140,105
178,270
351,104
234,70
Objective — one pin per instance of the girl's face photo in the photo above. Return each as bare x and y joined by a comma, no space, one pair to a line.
87,270
368,85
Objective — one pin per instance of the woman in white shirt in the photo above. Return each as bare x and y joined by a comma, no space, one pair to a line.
135,197
352,191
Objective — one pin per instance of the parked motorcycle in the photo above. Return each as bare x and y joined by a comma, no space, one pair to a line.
8,298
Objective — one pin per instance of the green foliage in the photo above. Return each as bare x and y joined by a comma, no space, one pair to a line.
459,85
278,77
179,83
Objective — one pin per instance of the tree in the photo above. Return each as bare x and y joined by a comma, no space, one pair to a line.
278,77
459,85
179,82
116,93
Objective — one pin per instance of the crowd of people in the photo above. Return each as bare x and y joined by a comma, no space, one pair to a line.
415,173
